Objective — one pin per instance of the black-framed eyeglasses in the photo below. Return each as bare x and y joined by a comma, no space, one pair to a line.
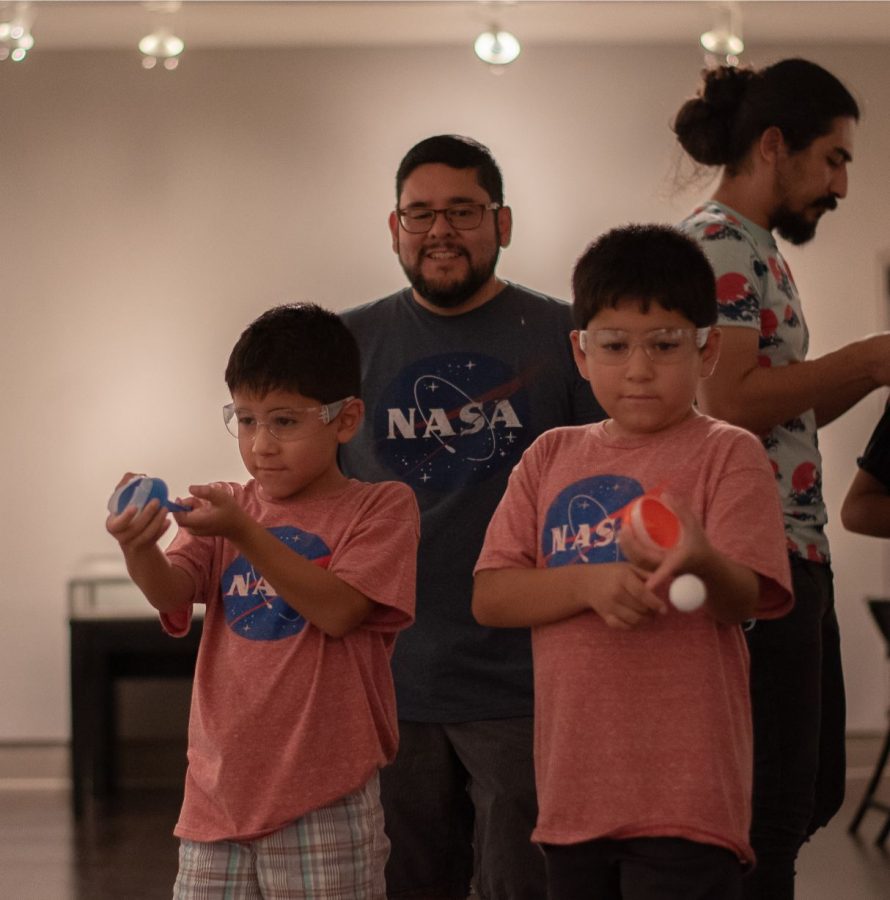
462,216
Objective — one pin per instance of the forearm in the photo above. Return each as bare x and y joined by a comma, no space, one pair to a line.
866,508
322,598
167,588
764,397
732,589
522,598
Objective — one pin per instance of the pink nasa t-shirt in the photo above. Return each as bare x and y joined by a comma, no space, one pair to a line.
647,732
284,718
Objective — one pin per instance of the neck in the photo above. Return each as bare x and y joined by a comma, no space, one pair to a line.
746,196
487,292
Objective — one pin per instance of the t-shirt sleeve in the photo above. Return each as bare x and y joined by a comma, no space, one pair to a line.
194,555
876,459
379,556
511,537
744,522
737,274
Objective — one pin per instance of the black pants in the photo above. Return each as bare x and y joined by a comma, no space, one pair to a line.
642,869
459,802
797,696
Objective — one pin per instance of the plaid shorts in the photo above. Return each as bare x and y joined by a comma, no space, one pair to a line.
334,853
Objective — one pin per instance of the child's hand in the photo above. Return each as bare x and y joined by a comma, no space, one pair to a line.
621,596
214,511
134,529
639,554
665,564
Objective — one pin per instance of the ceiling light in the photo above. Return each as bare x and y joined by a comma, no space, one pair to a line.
497,48
15,35
161,44
724,41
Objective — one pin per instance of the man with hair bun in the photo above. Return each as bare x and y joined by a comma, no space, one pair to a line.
783,136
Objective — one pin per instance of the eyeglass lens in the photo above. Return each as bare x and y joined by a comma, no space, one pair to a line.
462,216
664,345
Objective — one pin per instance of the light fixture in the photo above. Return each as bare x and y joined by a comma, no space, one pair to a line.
496,47
15,34
723,42
161,44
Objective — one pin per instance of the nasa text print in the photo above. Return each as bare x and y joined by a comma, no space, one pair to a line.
583,521
451,420
253,608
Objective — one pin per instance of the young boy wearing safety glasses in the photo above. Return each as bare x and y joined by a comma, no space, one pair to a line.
643,745
306,577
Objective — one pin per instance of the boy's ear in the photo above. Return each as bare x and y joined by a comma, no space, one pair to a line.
349,420
578,353
710,353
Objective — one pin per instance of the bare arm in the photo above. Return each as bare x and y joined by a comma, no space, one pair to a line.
516,598
325,600
866,508
167,588
760,398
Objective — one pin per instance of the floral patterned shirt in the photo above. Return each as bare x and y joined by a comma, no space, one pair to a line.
755,289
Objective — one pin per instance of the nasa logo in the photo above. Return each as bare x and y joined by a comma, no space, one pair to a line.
451,420
582,523
253,608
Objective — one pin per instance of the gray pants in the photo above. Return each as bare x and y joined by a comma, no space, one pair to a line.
459,803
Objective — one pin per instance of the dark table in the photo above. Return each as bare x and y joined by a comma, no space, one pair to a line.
103,650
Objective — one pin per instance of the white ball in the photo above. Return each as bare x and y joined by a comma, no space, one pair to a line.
687,592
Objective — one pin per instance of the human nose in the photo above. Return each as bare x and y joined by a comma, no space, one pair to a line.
440,225
263,439
639,364
839,183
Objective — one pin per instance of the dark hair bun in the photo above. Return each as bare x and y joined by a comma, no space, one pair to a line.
704,124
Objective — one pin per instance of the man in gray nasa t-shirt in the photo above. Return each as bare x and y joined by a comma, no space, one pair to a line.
460,373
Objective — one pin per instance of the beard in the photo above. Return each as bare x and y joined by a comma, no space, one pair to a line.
450,294
794,226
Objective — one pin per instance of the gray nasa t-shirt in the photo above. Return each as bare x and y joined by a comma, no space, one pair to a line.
452,403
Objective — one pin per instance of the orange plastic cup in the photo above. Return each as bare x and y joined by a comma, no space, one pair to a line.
653,522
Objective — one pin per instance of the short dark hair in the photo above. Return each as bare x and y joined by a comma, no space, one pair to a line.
645,264
458,152
735,105
297,347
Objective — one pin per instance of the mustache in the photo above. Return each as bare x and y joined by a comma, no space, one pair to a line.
829,202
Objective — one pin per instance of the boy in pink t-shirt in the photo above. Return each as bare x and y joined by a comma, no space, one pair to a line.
306,576
643,743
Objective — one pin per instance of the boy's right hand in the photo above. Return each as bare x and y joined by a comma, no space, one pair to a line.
620,596
134,528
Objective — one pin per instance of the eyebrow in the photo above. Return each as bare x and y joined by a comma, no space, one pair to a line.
844,154
645,330
277,409
419,204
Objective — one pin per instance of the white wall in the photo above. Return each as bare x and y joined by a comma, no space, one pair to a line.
146,217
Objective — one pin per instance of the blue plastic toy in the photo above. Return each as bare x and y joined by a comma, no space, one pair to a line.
138,491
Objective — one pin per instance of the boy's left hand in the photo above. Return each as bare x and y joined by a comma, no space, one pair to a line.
214,511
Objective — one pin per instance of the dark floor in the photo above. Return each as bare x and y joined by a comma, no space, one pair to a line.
124,850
